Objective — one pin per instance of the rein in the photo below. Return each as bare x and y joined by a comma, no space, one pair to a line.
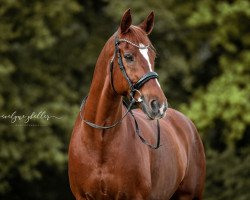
133,89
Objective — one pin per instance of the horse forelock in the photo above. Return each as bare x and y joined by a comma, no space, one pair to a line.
137,35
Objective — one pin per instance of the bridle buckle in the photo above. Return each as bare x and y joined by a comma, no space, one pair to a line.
138,100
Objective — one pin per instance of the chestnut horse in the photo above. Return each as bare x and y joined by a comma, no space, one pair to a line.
107,159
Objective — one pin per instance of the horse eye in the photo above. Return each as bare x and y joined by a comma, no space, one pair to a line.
129,57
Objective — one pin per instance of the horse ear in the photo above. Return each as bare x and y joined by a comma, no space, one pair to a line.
126,22
148,24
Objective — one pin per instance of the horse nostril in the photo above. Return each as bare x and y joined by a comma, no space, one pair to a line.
154,106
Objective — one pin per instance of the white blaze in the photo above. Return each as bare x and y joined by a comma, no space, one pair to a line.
144,52
158,83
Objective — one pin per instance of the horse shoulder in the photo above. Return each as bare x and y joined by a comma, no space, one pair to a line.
183,127
186,132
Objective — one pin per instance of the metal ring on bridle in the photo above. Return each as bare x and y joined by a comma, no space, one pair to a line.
138,100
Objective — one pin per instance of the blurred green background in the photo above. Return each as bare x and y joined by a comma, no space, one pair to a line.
48,50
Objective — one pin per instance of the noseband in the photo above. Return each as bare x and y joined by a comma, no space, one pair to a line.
134,88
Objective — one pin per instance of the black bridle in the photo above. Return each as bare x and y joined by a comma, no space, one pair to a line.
134,88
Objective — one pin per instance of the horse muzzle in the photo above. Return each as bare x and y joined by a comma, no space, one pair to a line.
154,109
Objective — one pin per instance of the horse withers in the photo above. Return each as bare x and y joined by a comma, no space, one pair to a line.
152,152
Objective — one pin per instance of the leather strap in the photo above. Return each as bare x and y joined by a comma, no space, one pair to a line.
137,129
144,79
105,127
144,141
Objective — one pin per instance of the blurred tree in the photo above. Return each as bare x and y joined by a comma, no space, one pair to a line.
39,44
225,98
48,50
221,108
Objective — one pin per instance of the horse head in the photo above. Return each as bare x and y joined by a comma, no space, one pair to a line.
132,72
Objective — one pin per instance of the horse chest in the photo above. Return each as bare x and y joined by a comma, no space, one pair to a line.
116,178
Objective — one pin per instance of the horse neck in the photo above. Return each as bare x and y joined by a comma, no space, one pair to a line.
103,105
